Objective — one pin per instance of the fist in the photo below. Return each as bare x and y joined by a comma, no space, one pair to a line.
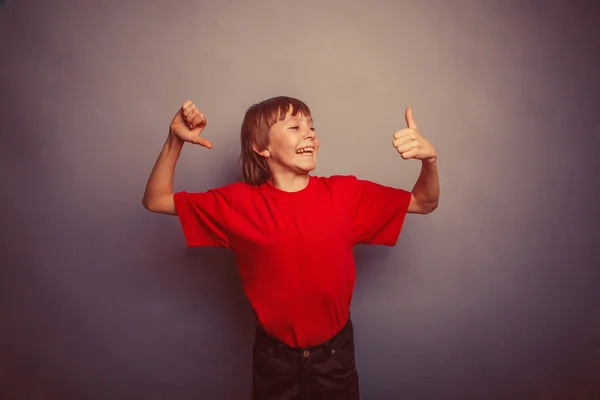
410,144
188,124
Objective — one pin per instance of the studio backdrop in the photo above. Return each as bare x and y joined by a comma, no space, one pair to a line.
495,295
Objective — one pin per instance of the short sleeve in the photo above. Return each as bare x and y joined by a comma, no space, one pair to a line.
203,217
380,212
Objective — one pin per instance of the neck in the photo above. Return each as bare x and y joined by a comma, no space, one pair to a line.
290,183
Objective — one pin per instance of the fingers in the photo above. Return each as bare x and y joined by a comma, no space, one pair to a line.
406,142
407,155
186,104
187,108
406,134
404,146
198,121
191,115
410,121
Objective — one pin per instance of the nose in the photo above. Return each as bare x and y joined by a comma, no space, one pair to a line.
310,134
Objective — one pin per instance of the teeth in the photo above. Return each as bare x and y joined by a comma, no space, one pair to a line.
304,151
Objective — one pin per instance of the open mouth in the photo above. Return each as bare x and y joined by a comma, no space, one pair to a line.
305,151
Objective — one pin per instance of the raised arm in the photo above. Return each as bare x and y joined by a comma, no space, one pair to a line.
411,145
186,126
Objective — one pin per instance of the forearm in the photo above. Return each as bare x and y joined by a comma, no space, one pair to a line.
158,196
427,188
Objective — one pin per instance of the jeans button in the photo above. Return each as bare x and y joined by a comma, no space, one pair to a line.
306,353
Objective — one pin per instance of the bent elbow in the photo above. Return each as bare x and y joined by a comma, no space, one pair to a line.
162,205
148,205
432,207
427,208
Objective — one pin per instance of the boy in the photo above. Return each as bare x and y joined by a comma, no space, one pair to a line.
293,235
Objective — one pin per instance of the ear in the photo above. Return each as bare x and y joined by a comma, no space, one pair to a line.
265,153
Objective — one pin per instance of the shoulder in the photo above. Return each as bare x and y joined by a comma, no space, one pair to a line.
225,192
350,185
239,187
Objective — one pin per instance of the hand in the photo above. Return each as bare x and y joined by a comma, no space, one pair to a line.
409,142
187,125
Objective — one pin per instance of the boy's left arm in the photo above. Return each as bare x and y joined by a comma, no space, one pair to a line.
411,145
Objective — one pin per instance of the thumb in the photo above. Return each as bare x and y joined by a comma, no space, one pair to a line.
202,142
410,121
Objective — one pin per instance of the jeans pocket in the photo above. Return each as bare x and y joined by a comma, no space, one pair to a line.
343,352
261,357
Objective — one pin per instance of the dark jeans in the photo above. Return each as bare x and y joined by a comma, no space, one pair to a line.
323,372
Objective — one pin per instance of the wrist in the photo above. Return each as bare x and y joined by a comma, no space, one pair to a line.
174,142
430,161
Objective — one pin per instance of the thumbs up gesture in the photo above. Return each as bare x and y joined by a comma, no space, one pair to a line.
409,142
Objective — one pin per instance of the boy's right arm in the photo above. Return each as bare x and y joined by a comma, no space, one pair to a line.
186,126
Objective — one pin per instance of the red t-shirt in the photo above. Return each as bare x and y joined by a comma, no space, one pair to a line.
294,250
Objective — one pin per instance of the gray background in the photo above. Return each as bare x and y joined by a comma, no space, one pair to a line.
496,295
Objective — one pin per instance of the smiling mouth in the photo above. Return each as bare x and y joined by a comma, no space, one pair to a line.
306,151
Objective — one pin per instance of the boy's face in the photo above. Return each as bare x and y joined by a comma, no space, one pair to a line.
293,145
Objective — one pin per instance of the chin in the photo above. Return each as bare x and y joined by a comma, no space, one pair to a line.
307,166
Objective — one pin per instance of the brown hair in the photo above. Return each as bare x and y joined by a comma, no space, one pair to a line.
259,118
